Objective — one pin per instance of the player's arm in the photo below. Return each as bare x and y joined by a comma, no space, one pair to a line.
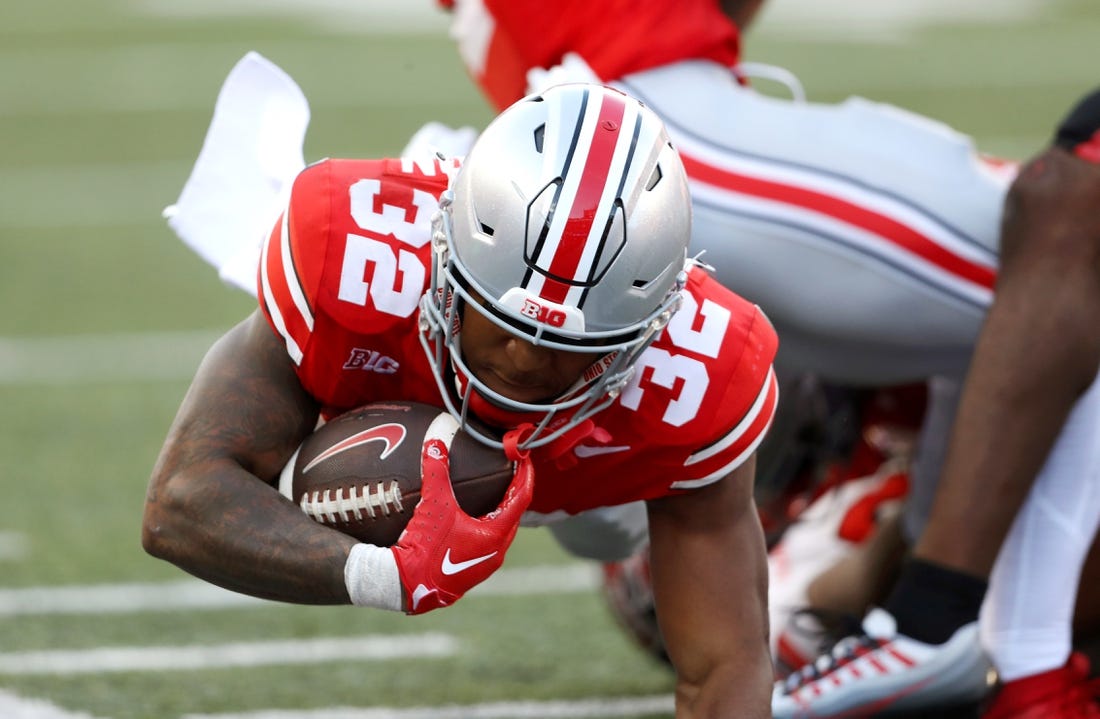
709,568
211,506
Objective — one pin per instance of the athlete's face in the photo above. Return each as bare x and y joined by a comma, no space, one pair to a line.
513,366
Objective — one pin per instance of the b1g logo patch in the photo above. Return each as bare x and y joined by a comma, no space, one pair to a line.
371,361
545,315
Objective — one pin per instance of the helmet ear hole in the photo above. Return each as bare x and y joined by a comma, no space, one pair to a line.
654,178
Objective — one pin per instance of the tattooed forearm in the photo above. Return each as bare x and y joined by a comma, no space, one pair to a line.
254,412
210,508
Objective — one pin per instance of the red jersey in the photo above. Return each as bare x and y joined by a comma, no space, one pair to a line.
340,279
500,40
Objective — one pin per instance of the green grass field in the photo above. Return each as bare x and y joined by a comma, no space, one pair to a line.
103,107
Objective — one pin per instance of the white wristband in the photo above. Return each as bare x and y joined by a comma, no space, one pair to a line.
372,579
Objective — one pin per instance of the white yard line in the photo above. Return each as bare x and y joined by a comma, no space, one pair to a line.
543,579
13,706
16,707
82,359
69,662
608,707
193,595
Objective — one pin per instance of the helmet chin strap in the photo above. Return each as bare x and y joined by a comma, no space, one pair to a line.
558,450
590,374
500,417
492,413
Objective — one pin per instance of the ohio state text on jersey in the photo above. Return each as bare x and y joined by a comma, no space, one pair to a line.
340,278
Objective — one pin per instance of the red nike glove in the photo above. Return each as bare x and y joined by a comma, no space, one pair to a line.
444,552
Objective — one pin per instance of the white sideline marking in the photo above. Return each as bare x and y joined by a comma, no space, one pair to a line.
13,545
236,654
79,359
610,707
543,579
13,706
192,595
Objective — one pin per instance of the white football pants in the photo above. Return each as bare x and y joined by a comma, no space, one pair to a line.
869,236
1028,614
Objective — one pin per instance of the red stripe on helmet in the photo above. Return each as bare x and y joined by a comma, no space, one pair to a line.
582,211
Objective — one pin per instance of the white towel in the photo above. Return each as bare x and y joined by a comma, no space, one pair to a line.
241,179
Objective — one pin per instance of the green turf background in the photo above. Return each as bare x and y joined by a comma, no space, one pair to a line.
103,107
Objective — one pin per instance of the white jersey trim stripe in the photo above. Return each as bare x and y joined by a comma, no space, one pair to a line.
292,347
729,439
292,282
742,426
726,468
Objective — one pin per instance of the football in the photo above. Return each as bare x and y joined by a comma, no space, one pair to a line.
360,472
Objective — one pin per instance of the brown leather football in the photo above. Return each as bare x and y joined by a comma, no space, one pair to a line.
360,472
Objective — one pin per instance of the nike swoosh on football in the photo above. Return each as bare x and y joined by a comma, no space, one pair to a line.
583,450
450,567
392,434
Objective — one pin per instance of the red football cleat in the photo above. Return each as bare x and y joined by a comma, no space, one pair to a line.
1065,693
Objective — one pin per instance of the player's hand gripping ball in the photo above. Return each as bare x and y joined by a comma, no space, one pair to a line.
360,473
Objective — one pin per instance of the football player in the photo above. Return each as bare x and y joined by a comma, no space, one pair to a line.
540,291
894,247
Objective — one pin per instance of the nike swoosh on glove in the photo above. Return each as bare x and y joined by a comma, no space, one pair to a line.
444,552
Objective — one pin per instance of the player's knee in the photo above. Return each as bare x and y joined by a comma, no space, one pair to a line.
1050,220
1051,209
1050,255
1079,131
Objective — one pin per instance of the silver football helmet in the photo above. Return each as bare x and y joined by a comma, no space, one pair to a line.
567,224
